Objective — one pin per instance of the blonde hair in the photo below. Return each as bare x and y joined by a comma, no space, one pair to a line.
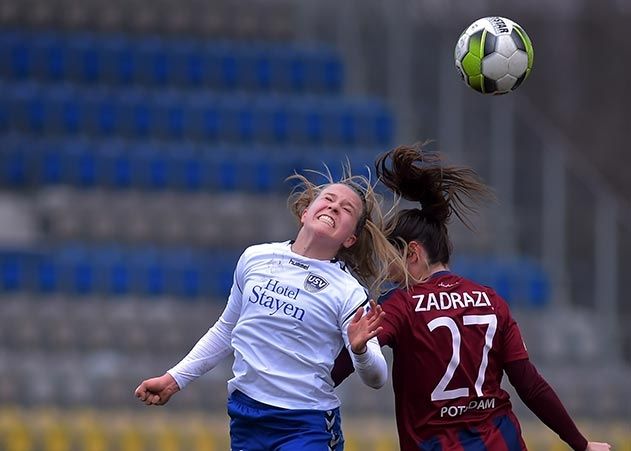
372,255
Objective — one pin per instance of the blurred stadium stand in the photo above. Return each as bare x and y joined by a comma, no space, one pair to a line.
144,145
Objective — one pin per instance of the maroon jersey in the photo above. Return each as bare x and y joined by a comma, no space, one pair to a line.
451,338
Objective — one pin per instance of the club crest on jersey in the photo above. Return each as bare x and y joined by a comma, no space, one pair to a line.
315,283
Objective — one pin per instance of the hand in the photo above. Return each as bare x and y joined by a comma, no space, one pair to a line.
596,446
157,391
364,327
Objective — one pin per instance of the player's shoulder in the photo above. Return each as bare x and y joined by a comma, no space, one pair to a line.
490,292
388,295
265,248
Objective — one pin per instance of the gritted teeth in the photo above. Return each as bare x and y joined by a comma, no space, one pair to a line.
327,220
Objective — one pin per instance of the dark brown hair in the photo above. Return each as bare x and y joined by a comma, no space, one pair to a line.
418,175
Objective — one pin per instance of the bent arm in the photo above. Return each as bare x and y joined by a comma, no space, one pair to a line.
542,400
371,366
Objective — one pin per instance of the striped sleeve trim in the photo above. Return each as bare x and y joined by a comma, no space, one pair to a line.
355,309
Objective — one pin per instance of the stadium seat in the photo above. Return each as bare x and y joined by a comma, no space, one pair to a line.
115,171
85,61
103,113
138,113
172,116
119,60
154,65
187,63
81,163
112,271
15,54
67,112
76,268
48,56
187,169
148,272
185,274
14,164
46,274
152,167
13,271
27,107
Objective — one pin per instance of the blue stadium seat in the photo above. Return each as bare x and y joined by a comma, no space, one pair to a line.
85,60
257,68
138,113
305,121
237,118
206,120
115,170
223,66
77,272
519,280
185,277
49,56
47,277
155,65
187,169
103,111
15,56
81,163
150,166
287,70
5,109
148,272
113,275
27,105
187,62
332,72
67,111
173,116
13,272
224,169
119,60
272,116
14,163
51,160
537,283
383,126
221,265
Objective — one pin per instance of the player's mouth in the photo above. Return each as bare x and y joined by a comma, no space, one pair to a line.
326,219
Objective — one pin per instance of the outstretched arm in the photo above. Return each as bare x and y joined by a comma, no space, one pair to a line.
542,400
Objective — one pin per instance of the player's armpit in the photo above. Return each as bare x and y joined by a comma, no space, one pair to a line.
342,368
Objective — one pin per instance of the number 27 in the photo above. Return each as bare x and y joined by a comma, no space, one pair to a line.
440,392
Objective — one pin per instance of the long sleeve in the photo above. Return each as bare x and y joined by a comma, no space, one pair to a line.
371,366
542,400
213,347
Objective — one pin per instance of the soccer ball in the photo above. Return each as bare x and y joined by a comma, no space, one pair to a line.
494,55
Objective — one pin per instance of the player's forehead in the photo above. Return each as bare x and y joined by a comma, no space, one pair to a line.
343,192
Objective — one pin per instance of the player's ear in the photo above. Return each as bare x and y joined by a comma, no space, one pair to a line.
414,252
349,241
302,216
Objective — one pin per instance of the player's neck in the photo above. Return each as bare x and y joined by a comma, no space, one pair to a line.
312,249
425,273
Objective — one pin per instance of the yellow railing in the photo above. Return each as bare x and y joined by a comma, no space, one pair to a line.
160,429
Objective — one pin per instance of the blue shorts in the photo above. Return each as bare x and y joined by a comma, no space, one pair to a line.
255,426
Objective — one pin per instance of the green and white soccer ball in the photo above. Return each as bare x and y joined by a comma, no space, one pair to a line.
494,55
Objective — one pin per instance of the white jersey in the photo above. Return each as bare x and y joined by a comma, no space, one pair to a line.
285,321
